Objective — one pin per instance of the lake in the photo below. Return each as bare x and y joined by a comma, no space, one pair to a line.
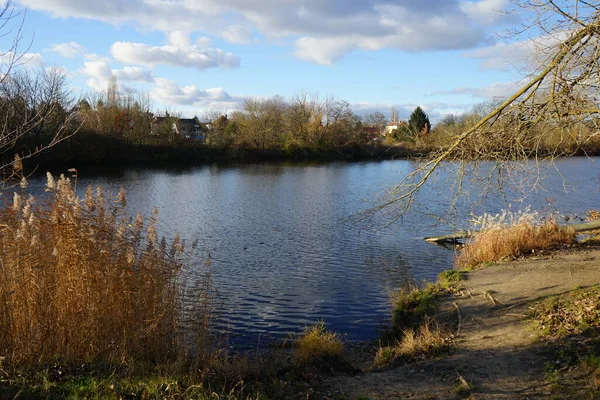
286,248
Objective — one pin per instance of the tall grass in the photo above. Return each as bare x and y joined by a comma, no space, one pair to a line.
81,282
510,234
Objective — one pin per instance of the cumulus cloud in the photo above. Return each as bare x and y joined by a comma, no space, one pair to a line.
100,72
133,74
191,56
69,50
27,60
167,91
238,34
322,30
180,39
488,12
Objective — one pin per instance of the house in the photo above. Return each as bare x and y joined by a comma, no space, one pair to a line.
393,126
188,128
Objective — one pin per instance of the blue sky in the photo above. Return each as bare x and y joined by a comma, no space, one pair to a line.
194,56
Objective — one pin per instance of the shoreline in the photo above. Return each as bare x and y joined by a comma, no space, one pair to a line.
494,353
494,347
86,149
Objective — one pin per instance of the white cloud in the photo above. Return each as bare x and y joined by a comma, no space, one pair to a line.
528,53
488,12
238,34
502,56
69,50
203,42
191,56
323,51
494,91
180,39
100,72
133,74
27,60
10,60
170,92
323,30
408,31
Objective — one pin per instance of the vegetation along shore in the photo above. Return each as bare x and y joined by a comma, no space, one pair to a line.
103,319
95,304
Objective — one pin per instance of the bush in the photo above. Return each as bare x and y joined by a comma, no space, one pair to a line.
318,343
411,305
81,282
428,340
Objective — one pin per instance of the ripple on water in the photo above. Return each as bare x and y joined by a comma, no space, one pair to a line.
284,254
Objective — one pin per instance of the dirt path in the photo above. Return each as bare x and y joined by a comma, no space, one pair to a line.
496,349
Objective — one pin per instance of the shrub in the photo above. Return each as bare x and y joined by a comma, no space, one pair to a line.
318,343
384,356
411,305
81,282
426,341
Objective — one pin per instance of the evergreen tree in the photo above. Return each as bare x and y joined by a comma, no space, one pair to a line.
419,122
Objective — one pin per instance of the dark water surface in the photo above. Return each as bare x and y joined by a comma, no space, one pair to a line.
284,250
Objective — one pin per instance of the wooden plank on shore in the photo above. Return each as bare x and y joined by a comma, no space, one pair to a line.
456,236
452,237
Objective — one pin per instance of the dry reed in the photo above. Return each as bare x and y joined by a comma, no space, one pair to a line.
81,282
508,235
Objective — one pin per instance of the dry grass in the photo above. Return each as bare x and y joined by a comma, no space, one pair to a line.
81,282
318,343
495,244
426,341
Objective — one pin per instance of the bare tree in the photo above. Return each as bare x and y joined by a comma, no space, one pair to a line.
34,104
555,113
262,122
376,120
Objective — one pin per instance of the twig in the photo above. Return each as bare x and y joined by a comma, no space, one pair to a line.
487,294
459,318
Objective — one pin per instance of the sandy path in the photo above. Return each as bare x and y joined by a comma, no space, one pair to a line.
495,350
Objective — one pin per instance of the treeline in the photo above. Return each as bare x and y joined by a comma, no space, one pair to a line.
38,111
112,126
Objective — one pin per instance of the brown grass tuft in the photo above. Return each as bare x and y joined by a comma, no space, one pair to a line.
318,343
493,245
427,340
81,282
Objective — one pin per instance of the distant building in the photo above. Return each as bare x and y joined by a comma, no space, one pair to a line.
393,126
189,128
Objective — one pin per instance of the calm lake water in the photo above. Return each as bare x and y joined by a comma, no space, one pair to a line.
285,251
